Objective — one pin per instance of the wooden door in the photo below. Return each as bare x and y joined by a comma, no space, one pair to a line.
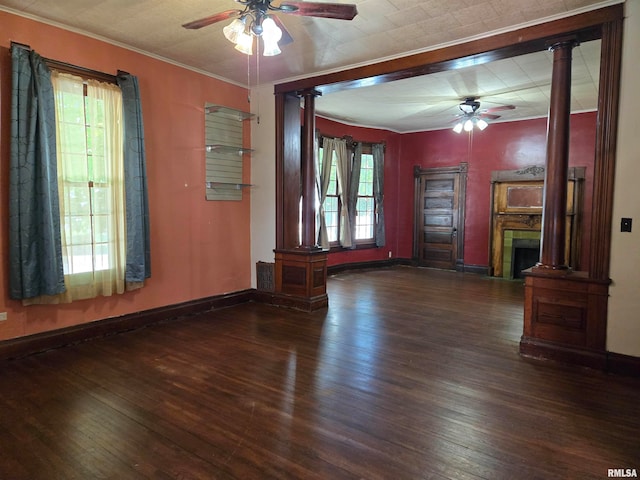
439,217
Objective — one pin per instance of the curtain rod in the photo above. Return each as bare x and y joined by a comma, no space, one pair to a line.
352,140
73,69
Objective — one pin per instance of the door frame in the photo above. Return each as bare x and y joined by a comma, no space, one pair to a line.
461,170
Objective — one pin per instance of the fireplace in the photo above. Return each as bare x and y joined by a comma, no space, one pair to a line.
521,250
516,219
525,253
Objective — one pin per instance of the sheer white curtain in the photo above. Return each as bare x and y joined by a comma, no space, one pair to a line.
91,186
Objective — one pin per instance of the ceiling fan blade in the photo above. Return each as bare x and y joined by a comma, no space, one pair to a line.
342,11
218,17
490,116
499,108
286,36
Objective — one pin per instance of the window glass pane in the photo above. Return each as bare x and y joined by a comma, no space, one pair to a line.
77,199
333,177
72,140
331,217
100,197
364,218
79,229
97,162
365,187
101,228
81,259
73,104
101,256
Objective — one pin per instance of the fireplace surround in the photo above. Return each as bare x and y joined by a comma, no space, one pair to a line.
516,213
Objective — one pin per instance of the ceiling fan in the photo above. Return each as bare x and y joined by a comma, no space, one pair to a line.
472,115
255,19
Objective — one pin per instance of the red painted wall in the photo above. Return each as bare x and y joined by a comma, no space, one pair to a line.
198,248
331,128
502,146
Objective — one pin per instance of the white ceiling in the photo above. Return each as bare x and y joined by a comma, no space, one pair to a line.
382,29
431,102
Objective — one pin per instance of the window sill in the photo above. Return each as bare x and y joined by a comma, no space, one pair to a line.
335,248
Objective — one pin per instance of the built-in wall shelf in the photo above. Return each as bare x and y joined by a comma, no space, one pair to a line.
235,186
225,152
231,113
228,149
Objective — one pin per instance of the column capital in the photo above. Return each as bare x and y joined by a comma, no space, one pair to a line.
563,42
309,92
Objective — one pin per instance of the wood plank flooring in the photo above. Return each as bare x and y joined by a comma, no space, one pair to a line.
410,374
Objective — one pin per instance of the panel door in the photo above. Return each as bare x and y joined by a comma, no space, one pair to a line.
437,219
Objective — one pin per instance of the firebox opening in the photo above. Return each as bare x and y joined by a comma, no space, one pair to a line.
525,254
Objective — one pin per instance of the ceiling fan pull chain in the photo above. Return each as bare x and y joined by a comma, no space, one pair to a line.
248,78
258,81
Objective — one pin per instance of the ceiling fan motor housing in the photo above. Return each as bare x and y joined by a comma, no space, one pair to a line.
470,105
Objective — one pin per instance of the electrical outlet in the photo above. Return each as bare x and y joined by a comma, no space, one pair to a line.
625,224
3,316
389,253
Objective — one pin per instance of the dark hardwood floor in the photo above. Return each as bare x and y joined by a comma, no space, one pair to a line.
410,374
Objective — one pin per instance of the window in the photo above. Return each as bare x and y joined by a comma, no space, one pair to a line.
90,184
362,208
365,204
332,201
71,160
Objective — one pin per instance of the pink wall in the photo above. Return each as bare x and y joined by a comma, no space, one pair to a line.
198,248
502,146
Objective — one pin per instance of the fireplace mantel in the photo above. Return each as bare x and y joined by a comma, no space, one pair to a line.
516,205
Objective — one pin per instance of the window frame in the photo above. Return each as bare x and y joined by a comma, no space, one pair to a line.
84,284
364,243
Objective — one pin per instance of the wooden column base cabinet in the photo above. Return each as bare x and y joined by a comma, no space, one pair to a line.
301,279
565,318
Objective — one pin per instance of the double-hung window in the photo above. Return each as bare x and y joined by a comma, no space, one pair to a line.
90,184
364,218
365,204
332,200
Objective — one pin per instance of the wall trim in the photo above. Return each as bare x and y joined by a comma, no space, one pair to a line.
40,342
537,349
623,364
530,348
344,267
477,269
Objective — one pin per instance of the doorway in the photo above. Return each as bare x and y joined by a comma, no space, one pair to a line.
439,217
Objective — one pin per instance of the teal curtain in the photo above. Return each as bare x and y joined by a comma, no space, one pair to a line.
35,249
135,172
378,191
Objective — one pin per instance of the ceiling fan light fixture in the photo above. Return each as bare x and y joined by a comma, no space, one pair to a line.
481,124
468,126
271,36
254,20
458,127
244,43
234,29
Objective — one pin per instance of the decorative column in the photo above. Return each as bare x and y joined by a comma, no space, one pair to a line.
554,233
309,236
564,311
301,273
